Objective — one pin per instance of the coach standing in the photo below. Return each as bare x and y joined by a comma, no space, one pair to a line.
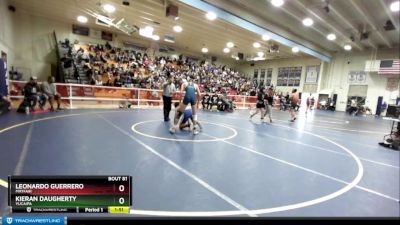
168,90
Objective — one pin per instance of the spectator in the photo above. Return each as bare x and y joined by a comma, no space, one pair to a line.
253,92
65,44
33,95
282,102
92,81
226,104
214,101
205,101
118,81
50,93
98,81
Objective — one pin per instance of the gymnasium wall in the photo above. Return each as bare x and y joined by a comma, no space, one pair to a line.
230,63
6,31
247,69
334,75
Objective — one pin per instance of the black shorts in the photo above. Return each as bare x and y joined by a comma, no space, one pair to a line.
260,105
293,106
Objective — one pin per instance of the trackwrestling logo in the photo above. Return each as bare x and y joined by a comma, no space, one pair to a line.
33,220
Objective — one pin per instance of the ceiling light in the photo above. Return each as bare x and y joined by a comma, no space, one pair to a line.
146,32
204,50
156,37
347,47
295,49
266,37
260,54
394,6
256,45
237,58
109,8
230,44
169,40
308,22
227,50
177,29
211,16
277,3
82,19
149,29
331,37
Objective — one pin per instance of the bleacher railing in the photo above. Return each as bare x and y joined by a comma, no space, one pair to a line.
90,96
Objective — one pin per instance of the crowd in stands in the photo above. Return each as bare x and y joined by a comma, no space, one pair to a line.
105,65
110,66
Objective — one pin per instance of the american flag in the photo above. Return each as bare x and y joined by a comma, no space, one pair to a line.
389,67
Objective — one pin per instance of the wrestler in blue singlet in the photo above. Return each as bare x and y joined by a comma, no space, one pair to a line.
190,95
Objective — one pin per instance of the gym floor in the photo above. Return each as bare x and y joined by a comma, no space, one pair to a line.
328,164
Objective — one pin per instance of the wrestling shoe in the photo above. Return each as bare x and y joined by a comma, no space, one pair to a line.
172,130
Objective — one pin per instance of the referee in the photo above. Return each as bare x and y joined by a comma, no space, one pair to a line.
168,90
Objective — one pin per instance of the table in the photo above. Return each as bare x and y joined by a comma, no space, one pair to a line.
394,120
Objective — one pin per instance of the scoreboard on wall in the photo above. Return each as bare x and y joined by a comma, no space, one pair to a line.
70,194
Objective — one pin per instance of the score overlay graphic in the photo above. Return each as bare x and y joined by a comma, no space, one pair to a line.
70,194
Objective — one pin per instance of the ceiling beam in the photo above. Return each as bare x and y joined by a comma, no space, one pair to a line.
345,21
363,12
326,22
300,20
238,21
190,19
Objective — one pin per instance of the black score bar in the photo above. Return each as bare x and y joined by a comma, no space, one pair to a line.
228,221
88,210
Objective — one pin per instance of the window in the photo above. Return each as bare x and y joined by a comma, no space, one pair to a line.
268,81
262,77
262,74
289,76
255,75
